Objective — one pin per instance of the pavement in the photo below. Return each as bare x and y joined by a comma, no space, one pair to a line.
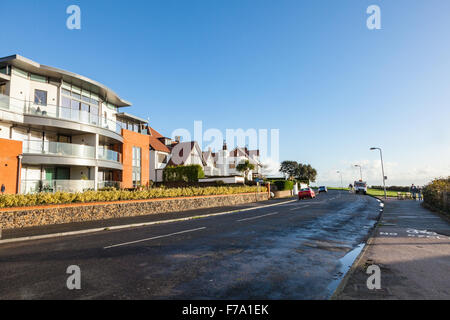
412,248
295,250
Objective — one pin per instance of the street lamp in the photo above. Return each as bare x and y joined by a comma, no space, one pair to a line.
382,169
360,170
342,185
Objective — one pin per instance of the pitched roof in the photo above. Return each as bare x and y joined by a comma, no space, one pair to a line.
155,143
155,133
178,152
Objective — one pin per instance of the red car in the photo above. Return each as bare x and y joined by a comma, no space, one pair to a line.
306,193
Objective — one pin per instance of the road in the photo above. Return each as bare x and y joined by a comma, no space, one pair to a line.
297,250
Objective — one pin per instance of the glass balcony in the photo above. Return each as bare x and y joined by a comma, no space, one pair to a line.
72,186
59,112
110,155
109,184
58,148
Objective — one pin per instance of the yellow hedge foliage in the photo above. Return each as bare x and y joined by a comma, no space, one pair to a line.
10,201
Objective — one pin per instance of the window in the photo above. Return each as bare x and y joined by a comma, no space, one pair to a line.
76,96
2,88
20,73
75,105
136,176
162,158
78,99
38,78
40,97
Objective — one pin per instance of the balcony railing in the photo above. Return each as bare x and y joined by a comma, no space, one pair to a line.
58,148
36,186
110,155
109,184
59,112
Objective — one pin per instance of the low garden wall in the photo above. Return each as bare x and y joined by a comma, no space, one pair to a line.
283,194
14,218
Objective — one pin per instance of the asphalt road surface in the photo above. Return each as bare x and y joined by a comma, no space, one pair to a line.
298,250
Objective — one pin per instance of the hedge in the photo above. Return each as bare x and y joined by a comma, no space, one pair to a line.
9,201
393,188
189,173
436,195
283,185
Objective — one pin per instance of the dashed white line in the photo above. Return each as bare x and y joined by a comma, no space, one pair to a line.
258,217
300,207
153,238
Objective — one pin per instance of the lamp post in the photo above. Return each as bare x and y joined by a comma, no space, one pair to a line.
382,170
360,170
342,185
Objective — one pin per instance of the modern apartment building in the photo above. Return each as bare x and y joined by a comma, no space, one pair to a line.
60,131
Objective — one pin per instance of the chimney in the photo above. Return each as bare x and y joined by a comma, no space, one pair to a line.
178,139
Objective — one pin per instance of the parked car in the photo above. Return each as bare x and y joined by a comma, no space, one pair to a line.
323,189
306,193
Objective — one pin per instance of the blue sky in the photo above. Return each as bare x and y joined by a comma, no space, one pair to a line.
309,68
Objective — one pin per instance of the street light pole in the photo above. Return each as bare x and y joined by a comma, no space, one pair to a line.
360,170
342,185
382,170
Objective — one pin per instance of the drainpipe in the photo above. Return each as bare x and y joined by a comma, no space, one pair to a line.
19,166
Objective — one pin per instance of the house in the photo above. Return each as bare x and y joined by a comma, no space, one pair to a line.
60,131
224,163
160,151
186,153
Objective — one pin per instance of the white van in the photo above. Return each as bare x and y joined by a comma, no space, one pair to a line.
360,187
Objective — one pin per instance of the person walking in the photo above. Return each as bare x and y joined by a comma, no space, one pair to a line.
413,191
419,193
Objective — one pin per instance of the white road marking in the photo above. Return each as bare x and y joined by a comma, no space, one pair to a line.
258,217
153,238
300,207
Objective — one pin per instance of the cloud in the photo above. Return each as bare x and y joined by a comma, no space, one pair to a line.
271,167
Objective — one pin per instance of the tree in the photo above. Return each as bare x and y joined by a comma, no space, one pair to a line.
289,168
301,172
245,167
306,173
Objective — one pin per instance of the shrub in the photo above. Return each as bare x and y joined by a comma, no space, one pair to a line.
283,185
9,201
436,194
189,173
